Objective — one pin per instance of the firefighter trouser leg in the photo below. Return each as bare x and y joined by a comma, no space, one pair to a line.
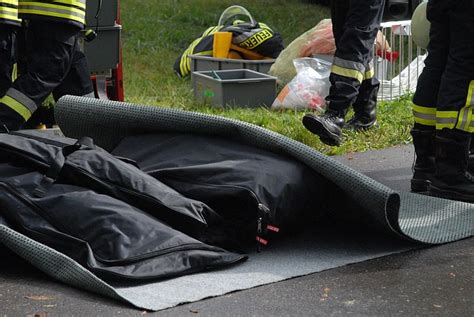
7,59
77,81
50,49
425,101
365,113
8,117
355,26
444,97
456,91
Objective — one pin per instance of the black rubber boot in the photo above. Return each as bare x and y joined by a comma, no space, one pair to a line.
9,119
470,165
452,180
328,126
424,167
365,114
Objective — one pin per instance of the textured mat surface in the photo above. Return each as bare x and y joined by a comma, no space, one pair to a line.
396,215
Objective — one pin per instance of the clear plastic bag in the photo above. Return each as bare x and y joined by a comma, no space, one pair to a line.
309,88
283,67
321,40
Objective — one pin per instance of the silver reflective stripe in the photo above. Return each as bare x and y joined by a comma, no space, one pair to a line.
463,124
349,64
21,98
53,10
446,120
425,116
8,15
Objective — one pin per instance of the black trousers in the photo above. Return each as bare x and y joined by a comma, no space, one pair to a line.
7,56
445,93
355,27
54,62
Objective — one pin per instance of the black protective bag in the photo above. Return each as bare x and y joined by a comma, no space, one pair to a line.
103,212
255,191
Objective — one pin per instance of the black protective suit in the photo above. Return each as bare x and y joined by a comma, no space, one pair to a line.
54,62
9,24
7,60
444,101
355,27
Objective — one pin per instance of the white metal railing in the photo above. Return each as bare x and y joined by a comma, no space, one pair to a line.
398,76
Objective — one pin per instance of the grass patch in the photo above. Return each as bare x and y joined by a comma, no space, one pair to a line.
155,32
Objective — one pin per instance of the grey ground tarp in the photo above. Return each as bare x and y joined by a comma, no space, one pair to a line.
404,220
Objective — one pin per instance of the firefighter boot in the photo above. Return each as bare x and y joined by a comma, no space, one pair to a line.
9,119
471,157
452,180
327,126
424,167
365,115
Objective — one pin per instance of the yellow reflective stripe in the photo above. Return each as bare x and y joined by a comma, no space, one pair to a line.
465,118
185,63
424,115
56,15
446,119
208,31
470,94
16,106
447,114
369,74
465,114
426,110
211,30
52,10
12,2
9,14
206,53
428,122
264,26
14,72
346,72
8,9
80,4
51,6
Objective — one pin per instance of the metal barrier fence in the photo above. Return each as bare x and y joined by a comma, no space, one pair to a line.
399,70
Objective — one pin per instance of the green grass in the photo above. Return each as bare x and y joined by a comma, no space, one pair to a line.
155,32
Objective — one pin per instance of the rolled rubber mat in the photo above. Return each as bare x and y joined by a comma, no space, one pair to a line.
401,221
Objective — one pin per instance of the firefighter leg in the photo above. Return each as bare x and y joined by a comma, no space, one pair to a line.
424,167
7,60
77,81
328,126
425,102
365,114
354,48
50,49
454,116
8,117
